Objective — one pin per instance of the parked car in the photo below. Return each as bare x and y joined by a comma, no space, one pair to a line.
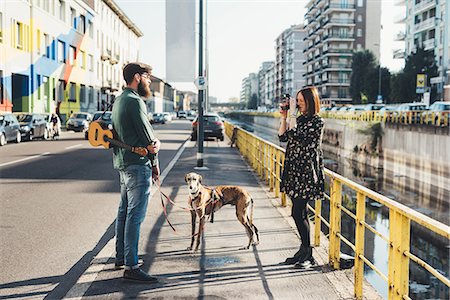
411,112
9,128
167,116
158,118
191,115
437,113
32,125
104,117
182,114
212,127
49,125
79,121
373,106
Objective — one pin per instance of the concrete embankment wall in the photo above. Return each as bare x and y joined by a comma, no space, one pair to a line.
416,158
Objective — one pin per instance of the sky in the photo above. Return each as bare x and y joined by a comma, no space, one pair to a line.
241,35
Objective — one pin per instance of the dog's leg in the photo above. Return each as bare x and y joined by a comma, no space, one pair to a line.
193,223
200,232
242,218
250,221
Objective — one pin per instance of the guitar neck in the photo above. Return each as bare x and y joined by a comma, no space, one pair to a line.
119,144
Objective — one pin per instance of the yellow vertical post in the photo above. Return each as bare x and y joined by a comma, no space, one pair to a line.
277,173
272,168
398,263
335,223
317,222
359,244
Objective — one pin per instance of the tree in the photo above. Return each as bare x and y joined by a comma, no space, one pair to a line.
361,81
404,83
253,103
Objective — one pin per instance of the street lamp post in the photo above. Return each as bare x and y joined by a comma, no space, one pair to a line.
379,97
200,135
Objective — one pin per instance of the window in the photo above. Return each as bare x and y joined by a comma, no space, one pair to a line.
72,55
61,52
61,89
38,41
1,29
19,35
90,62
46,5
1,87
82,93
72,92
358,47
360,3
91,29
38,86
45,85
73,18
82,59
62,10
47,45
82,24
360,19
91,94
359,32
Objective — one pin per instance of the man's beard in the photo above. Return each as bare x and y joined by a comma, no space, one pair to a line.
143,90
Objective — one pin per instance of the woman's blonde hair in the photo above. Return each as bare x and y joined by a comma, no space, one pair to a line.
312,99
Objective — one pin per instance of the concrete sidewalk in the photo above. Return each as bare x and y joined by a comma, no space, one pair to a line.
219,270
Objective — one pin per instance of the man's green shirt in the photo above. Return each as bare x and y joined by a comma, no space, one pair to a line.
129,120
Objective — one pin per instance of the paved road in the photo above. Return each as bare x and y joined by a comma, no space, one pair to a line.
57,207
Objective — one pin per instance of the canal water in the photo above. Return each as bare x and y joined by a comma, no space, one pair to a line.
424,244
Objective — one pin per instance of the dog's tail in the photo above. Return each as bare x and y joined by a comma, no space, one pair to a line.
251,211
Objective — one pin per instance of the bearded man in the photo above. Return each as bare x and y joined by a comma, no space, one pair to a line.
130,122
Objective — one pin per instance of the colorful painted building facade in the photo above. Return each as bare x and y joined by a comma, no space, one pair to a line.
63,55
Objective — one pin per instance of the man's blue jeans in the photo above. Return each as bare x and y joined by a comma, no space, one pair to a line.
135,185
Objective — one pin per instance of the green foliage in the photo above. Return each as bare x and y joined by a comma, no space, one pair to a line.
253,103
364,79
404,82
375,131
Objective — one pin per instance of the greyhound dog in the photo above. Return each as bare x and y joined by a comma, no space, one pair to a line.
205,201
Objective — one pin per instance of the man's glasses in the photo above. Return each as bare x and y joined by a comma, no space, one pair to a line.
146,76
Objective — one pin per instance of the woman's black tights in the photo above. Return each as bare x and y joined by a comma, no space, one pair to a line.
300,215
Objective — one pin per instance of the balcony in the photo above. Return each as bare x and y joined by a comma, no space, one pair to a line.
341,37
338,67
345,82
333,51
400,18
399,54
340,22
339,7
400,36
425,25
424,5
428,44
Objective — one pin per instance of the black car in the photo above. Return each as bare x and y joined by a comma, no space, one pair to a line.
212,127
158,118
9,128
32,125
104,117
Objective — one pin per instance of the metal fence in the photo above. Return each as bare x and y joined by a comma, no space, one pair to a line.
267,160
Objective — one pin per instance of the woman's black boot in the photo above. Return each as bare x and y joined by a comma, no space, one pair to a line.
299,254
306,261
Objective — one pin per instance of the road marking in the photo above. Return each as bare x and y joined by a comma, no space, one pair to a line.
74,146
23,159
97,264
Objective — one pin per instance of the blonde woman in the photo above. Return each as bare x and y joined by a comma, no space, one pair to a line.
303,174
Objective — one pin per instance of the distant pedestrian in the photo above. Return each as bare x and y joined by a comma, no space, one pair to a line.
303,173
234,137
56,125
131,125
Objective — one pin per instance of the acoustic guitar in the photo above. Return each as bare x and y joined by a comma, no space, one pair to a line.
100,136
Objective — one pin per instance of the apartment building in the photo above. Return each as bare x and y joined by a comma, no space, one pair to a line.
289,67
426,26
249,87
335,29
264,98
63,56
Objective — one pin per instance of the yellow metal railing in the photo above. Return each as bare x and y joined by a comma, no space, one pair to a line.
399,117
267,160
